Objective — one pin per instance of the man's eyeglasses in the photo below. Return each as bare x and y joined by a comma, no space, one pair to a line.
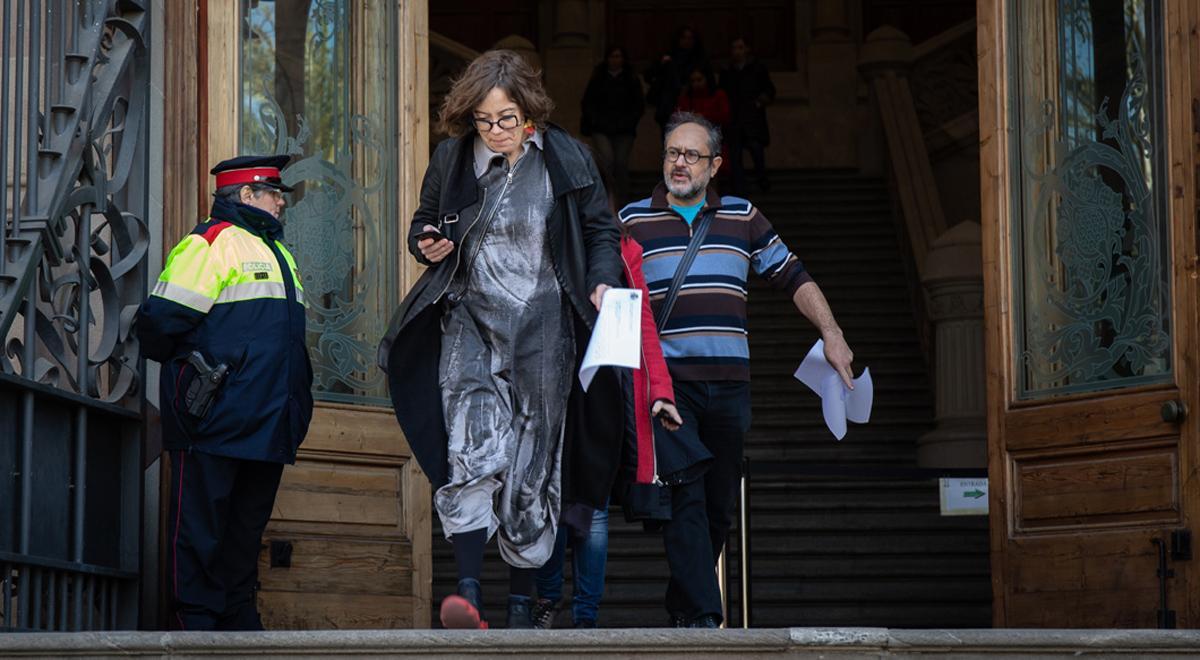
506,122
690,156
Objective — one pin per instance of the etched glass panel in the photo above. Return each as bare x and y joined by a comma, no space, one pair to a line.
1091,264
318,82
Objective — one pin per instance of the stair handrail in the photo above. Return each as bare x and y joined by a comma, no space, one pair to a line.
447,58
438,41
887,56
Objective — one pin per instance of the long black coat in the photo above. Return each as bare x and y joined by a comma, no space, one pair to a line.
584,246
746,87
612,105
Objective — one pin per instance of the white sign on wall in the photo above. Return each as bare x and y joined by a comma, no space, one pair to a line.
964,497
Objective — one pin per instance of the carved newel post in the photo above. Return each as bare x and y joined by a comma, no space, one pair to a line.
953,283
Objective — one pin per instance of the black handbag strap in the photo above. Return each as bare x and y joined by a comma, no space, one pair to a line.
699,231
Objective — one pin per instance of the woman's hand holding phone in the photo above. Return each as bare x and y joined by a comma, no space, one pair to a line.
433,245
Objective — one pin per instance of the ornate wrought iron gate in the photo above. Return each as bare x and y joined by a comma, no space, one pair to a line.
73,244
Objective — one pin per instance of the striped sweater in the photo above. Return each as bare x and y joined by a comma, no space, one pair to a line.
706,336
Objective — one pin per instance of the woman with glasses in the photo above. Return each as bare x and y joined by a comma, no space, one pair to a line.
515,227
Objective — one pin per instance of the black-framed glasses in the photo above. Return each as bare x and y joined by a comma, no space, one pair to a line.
506,122
690,156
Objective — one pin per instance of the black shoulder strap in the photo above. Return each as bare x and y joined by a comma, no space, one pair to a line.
699,230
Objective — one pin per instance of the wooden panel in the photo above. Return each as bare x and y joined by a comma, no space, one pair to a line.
316,611
1098,580
355,430
994,130
1114,486
223,98
314,491
1124,416
1183,80
339,566
181,115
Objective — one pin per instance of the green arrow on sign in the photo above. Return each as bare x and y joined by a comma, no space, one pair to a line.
974,494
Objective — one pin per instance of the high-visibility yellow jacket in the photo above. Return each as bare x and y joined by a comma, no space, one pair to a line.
231,290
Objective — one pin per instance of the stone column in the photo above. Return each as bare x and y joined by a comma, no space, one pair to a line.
953,282
569,60
833,86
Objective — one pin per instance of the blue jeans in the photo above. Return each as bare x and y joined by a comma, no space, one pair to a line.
589,555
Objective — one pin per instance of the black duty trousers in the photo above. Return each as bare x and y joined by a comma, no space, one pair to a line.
219,509
702,510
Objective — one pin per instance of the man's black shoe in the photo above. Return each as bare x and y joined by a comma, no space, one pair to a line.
706,621
544,610
585,623
520,614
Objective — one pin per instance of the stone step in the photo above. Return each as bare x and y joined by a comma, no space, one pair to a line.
829,632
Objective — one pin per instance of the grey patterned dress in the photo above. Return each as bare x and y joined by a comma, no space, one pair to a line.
506,368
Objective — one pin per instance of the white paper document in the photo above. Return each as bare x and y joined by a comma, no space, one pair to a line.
838,402
617,337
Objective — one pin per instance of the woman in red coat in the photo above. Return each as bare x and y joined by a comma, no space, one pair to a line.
703,97
649,393
653,392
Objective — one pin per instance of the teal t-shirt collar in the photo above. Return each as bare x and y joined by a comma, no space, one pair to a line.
689,213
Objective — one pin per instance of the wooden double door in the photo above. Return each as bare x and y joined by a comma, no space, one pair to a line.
1088,128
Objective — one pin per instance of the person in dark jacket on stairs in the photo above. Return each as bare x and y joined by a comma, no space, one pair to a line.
748,85
704,341
613,105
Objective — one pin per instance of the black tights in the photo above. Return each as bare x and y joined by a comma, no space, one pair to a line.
468,556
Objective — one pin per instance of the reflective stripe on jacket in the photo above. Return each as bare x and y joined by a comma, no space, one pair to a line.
231,290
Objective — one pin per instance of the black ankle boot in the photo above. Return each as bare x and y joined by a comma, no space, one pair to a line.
520,613
706,621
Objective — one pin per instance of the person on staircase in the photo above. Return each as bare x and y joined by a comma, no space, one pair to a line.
520,243
669,75
748,85
700,250
612,107
226,320
703,97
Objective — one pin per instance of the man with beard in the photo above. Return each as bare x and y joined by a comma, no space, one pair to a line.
699,297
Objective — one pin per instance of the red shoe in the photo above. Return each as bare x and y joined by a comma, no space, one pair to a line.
458,613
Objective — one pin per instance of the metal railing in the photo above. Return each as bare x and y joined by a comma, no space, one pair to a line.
74,86
745,581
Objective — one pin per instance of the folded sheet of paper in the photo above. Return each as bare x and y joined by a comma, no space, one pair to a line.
617,337
838,402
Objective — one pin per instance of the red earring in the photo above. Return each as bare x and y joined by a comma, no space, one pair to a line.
529,128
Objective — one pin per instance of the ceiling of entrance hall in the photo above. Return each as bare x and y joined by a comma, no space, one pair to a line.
777,29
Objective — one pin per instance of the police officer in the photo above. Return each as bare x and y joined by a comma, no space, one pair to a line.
226,320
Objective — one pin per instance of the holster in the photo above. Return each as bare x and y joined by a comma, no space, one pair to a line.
203,387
